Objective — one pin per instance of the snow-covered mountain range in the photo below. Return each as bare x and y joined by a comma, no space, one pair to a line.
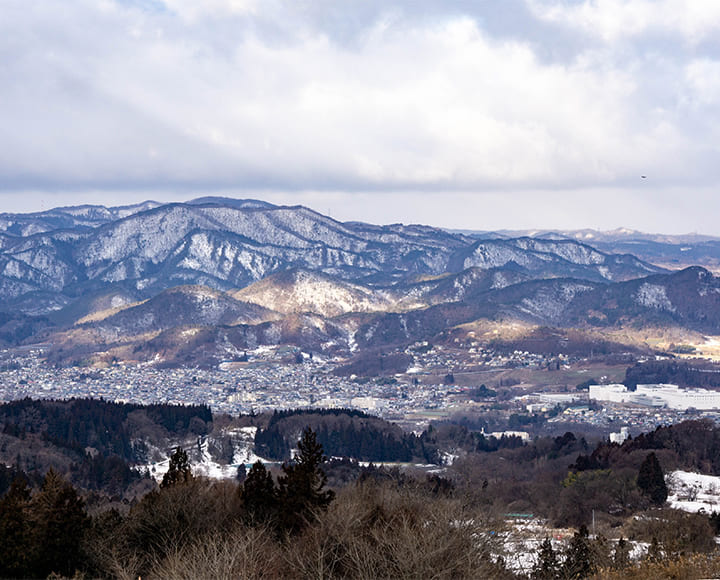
54,257
244,272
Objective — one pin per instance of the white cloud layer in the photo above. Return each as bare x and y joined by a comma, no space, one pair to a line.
511,98
612,20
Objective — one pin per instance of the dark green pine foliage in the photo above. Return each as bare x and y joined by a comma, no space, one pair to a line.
301,487
651,480
715,522
259,495
57,522
579,561
621,556
179,471
15,530
548,565
341,432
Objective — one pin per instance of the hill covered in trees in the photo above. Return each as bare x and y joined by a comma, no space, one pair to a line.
96,443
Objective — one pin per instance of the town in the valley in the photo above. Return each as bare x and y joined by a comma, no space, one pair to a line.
518,393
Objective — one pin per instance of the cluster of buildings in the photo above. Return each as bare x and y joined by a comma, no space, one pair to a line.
274,378
268,381
659,395
474,356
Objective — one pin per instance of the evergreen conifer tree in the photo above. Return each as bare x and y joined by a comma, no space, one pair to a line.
579,562
259,496
15,530
179,470
651,480
301,487
548,565
58,522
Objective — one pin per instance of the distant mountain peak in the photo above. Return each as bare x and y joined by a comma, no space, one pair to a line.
231,202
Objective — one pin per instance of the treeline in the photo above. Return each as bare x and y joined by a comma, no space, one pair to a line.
692,373
619,480
444,436
357,435
288,524
94,442
81,423
276,526
342,433
691,445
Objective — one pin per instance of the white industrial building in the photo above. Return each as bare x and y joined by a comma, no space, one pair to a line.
660,395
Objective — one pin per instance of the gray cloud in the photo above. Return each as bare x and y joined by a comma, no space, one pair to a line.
484,99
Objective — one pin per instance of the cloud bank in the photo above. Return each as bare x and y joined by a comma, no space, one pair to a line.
311,96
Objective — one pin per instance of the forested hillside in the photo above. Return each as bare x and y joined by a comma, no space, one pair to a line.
289,522
95,443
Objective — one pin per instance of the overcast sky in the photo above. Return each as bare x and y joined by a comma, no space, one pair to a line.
482,114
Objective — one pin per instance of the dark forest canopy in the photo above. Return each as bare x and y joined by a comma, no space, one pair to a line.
685,373
352,433
293,517
692,445
80,423
342,433
94,442
563,479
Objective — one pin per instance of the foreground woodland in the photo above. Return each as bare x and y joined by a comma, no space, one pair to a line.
314,518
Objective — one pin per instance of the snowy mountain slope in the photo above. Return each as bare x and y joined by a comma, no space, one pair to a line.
686,299
152,272
293,234
294,291
689,298
561,258
229,244
182,306
66,218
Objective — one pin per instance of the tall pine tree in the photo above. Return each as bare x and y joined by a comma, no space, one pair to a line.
179,470
579,561
548,565
15,530
301,487
259,496
58,523
651,480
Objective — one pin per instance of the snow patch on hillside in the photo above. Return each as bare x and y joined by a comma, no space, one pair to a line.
203,463
654,296
309,292
551,302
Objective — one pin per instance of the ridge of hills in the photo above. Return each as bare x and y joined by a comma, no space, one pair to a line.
159,280
228,245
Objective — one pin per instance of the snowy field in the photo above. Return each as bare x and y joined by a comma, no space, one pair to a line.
693,492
